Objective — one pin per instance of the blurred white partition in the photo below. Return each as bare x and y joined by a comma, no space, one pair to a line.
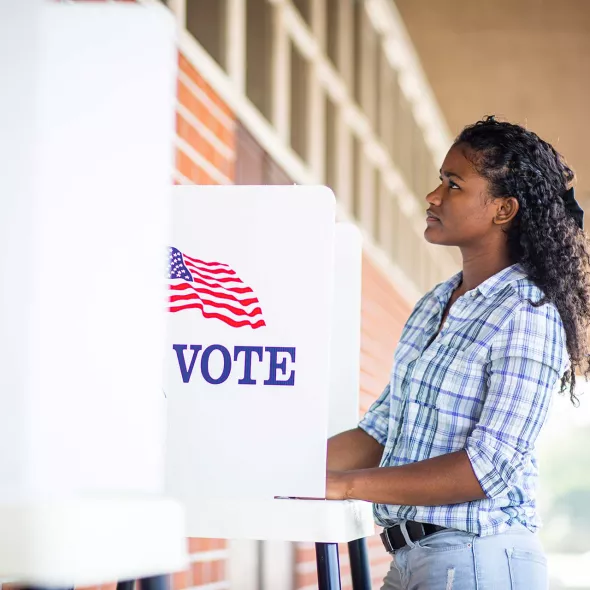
86,112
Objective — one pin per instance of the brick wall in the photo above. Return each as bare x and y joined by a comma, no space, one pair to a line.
205,127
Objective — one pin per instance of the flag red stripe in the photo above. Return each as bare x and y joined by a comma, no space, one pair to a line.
206,263
236,310
215,271
244,302
196,271
225,319
232,289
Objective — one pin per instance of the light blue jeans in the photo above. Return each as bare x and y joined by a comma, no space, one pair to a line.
455,560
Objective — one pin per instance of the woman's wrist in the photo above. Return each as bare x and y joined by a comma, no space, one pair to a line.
339,485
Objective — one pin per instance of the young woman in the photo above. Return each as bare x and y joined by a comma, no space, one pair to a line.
447,452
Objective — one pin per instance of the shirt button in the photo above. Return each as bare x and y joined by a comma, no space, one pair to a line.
473,293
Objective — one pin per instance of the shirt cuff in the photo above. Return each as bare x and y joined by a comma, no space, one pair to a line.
375,427
488,466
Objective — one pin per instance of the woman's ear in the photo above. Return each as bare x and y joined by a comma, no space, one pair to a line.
506,210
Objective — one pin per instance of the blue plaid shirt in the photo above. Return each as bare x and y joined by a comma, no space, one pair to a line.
484,384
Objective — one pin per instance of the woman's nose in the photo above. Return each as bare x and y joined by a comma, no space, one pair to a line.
434,197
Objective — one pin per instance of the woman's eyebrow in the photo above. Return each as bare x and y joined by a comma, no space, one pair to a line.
448,174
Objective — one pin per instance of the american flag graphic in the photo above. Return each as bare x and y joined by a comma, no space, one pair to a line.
214,288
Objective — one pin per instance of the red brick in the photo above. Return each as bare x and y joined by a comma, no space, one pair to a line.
208,572
203,178
181,580
186,131
186,166
208,152
306,579
186,98
218,570
305,555
202,112
226,136
201,572
186,67
222,106
218,160
198,545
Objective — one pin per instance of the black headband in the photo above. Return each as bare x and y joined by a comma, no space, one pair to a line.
573,207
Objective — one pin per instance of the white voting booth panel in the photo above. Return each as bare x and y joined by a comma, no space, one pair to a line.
247,360
305,272
86,113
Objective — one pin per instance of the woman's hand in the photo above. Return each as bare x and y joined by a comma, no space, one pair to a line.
336,485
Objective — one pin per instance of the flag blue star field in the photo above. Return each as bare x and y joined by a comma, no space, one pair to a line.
214,288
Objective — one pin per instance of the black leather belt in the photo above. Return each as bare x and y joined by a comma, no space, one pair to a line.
393,538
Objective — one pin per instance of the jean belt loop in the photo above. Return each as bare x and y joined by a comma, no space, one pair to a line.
404,530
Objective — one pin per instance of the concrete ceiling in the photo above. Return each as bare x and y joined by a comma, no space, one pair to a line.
525,60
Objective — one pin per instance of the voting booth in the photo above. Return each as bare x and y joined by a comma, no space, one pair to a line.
86,113
262,365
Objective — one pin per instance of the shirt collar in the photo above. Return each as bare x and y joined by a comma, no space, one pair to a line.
489,287
501,279
443,291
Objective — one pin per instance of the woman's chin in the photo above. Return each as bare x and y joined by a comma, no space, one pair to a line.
433,235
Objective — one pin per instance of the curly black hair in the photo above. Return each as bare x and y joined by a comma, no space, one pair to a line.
543,237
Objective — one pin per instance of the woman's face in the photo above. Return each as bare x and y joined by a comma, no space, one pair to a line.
460,211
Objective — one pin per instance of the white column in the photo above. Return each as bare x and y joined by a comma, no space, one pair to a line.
281,75
316,130
318,22
236,43
178,7
344,162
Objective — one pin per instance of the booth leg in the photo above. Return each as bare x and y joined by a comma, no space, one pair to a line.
359,564
155,583
328,564
126,585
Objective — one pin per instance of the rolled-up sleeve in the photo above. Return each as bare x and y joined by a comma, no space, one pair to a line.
375,421
527,360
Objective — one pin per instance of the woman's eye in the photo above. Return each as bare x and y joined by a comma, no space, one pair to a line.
451,183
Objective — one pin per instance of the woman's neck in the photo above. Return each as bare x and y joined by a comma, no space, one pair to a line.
480,266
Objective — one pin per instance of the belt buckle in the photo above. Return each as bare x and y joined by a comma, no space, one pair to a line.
387,542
